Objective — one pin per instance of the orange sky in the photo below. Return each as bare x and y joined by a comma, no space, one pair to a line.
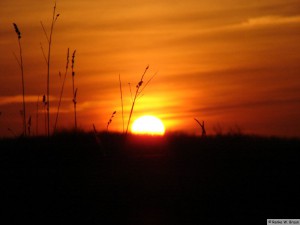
227,62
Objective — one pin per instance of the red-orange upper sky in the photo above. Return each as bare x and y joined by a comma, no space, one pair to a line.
231,63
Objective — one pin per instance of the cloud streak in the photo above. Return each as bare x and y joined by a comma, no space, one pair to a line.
213,57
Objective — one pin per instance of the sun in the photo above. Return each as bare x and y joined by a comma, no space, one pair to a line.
148,125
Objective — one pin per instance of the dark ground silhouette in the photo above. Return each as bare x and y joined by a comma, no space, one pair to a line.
171,180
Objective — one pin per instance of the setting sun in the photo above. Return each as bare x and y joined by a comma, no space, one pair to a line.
148,125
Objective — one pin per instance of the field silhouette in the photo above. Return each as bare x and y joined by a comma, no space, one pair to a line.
174,179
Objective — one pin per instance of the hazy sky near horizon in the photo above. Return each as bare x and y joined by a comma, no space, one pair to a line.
227,62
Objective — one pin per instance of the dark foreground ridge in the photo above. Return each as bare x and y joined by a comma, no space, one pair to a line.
72,179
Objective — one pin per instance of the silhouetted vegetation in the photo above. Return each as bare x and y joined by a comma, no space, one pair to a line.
139,90
174,179
62,89
20,62
202,127
110,119
48,59
74,94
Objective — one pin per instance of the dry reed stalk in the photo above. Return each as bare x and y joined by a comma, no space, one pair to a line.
49,39
22,74
37,117
45,111
202,127
74,91
110,120
62,90
137,93
44,55
75,104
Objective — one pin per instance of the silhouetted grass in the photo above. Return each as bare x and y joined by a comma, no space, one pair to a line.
62,90
48,59
139,90
74,93
110,119
20,62
173,179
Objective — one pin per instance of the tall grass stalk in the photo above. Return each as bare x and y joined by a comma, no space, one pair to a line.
137,93
75,112
45,111
49,39
110,120
73,88
202,127
37,117
20,62
62,90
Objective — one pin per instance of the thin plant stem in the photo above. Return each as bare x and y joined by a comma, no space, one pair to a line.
139,96
37,117
73,88
44,53
202,127
45,112
23,90
62,90
110,120
49,39
131,110
20,62
17,59
135,97
74,104
75,112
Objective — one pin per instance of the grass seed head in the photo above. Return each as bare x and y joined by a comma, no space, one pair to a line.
73,58
17,30
110,120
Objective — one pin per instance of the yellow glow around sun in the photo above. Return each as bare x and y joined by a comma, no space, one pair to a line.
148,125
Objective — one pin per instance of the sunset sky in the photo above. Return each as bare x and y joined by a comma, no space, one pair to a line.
231,63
